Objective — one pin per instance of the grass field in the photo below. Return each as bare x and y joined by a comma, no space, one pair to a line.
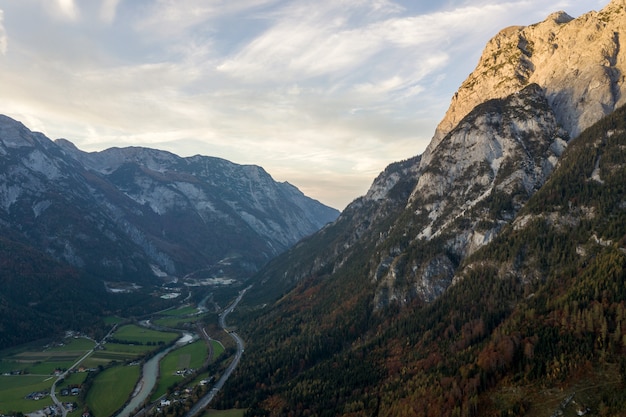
111,389
48,366
191,357
117,352
8,365
122,352
183,311
218,349
45,360
40,362
133,350
141,335
80,343
15,388
175,321
76,378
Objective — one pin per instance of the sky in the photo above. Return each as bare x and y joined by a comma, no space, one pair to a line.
323,94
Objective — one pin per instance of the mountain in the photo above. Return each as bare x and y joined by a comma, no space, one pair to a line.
139,215
578,62
198,211
451,287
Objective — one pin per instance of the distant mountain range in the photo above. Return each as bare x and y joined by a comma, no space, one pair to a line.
476,277
141,215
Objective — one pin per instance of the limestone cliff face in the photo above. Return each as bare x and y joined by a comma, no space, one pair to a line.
479,177
580,63
534,89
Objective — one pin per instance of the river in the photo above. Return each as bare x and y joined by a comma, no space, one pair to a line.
149,376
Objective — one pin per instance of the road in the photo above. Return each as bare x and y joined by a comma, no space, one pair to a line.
53,394
206,400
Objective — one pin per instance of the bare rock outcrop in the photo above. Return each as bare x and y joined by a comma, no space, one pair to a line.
580,63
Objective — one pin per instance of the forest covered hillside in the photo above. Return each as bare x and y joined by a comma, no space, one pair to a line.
534,322
483,277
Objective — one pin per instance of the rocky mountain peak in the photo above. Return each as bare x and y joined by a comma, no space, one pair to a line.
578,62
559,17
14,134
138,213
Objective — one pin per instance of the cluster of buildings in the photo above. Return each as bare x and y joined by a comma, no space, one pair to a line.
52,410
37,395
180,396
70,391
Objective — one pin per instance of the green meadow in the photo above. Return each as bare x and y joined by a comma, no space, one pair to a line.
14,389
183,311
218,349
132,333
111,388
175,321
191,356
44,361
113,385
39,362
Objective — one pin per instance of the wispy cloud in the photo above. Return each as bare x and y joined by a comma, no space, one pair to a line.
175,17
323,94
307,40
4,40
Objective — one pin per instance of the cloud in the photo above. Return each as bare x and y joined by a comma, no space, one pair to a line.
4,40
166,18
305,40
108,10
335,39
322,94
68,9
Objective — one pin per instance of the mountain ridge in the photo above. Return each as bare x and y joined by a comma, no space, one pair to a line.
414,301
495,78
584,53
139,215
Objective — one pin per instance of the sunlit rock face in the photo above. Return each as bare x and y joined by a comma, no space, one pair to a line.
578,62
533,89
480,175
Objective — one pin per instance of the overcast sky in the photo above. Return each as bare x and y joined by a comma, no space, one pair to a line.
323,94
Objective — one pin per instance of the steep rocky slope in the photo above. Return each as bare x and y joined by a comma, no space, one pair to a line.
533,325
418,222
141,214
534,88
580,63
397,305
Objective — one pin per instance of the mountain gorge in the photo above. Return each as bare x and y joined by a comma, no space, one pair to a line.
137,217
479,276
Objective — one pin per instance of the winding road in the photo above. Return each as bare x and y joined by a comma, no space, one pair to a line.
206,400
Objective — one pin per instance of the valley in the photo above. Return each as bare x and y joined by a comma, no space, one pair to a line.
485,277
171,360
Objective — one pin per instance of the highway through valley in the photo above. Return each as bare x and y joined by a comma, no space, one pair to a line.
206,400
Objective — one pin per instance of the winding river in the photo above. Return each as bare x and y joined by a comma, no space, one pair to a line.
149,376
